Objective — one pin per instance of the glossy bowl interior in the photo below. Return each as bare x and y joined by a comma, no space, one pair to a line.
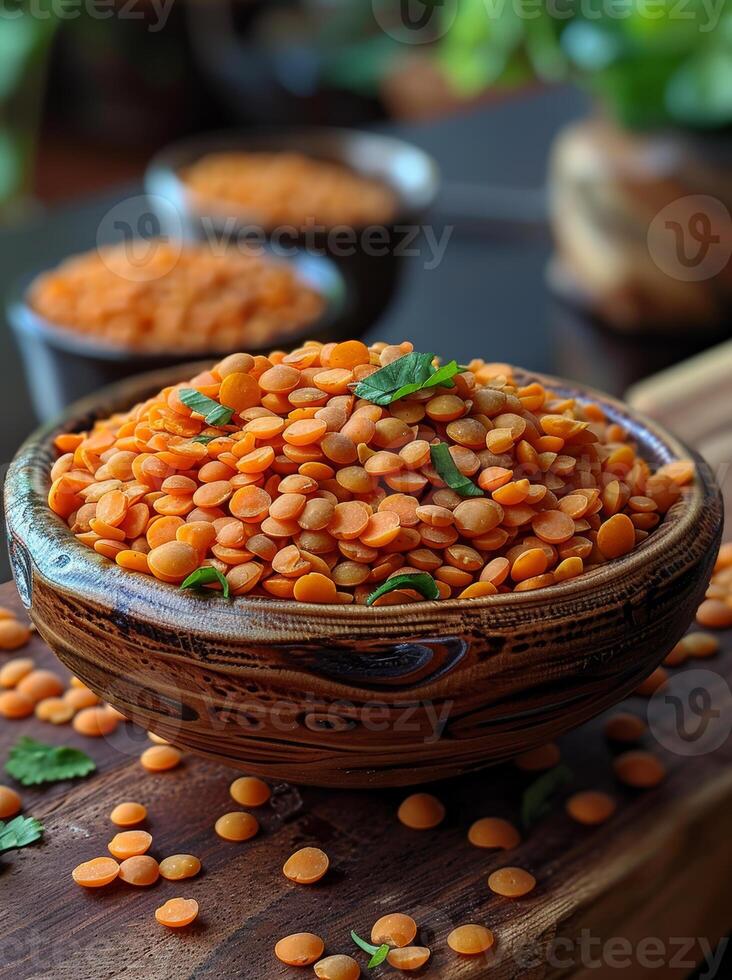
62,365
344,695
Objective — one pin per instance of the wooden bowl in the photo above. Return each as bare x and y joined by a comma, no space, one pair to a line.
350,695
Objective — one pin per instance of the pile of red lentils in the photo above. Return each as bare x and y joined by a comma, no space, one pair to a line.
185,298
312,493
289,189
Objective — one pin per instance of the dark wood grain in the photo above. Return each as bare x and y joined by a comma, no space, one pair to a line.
350,695
661,868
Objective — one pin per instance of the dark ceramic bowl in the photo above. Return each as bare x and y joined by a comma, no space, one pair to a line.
351,695
373,274
62,365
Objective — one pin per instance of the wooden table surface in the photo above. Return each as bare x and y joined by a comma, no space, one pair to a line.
650,891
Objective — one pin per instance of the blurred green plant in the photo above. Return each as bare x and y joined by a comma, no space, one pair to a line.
25,34
650,62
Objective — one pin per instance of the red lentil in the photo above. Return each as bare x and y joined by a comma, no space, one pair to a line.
129,843
177,912
395,929
306,866
300,949
306,472
511,882
624,727
160,758
141,870
493,832
10,802
408,958
189,298
249,791
641,770
128,814
289,188
96,873
421,811
591,807
236,826
179,866
470,940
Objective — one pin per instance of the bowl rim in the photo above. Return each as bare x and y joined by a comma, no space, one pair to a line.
26,321
163,171
26,506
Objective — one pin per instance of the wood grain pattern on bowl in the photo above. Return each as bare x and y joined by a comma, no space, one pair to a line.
357,696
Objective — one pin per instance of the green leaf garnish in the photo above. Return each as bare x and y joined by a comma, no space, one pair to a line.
445,465
204,439
404,376
537,798
19,832
32,763
204,576
377,953
379,956
421,582
212,411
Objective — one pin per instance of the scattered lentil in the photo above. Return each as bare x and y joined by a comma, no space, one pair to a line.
249,791
236,826
408,958
421,811
177,912
306,866
141,870
638,769
128,814
179,866
129,843
160,758
493,832
300,949
591,807
470,940
10,802
511,882
96,873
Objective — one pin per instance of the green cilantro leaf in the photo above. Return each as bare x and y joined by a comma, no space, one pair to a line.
379,956
377,953
445,465
212,411
421,582
362,944
204,439
32,763
19,832
404,376
537,798
204,576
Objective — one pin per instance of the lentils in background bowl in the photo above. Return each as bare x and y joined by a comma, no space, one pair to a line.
278,189
174,297
342,473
